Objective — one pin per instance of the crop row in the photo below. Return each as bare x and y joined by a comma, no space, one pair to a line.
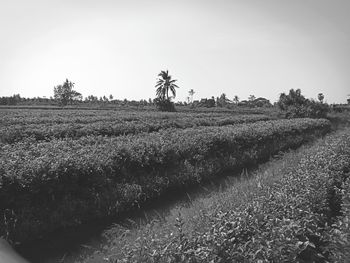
47,185
10,117
288,219
125,125
339,232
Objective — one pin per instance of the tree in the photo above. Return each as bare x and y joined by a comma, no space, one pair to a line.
111,97
320,97
64,93
164,84
296,105
191,93
91,98
294,98
222,100
251,98
236,99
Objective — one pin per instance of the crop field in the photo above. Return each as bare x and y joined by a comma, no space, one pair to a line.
47,124
64,168
295,209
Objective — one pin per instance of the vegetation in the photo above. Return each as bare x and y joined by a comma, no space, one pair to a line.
61,168
164,85
191,93
65,94
44,125
295,105
96,176
282,215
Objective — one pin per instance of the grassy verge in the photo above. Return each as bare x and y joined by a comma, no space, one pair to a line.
49,185
294,211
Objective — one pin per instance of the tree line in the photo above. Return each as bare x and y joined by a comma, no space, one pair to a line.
293,104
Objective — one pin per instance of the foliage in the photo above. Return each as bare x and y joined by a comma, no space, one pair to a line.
222,100
320,97
295,105
284,221
164,85
339,232
191,93
48,185
65,94
164,104
45,125
13,100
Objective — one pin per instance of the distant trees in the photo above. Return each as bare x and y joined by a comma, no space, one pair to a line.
236,99
165,84
13,100
320,97
295,105
191,93
251,98
222,100
65,94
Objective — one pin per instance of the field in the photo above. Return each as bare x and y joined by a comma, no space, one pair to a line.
63,168
294,209
47,124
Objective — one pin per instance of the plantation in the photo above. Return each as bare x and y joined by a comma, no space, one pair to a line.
45,125
65,181
297,211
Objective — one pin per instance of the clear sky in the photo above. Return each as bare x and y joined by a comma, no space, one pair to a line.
259,47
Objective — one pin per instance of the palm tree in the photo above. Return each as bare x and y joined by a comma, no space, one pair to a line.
191,93
164,84
320,97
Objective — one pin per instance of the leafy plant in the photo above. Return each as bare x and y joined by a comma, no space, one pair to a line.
295,105
164,85
64,182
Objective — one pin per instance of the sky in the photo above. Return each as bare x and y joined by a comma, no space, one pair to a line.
246,47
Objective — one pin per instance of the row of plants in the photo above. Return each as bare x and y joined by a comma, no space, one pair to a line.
49,185
122,126
24,117
339,232
302,215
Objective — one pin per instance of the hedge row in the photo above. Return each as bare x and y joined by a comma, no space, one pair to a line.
123,125
339,232
48,185
286,221
25,117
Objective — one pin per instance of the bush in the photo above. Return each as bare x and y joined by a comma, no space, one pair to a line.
48,185
295,105
164,105
317,109
284,221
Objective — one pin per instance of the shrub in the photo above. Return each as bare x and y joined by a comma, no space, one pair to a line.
295,105
48,185
284,221
164,105
339,232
